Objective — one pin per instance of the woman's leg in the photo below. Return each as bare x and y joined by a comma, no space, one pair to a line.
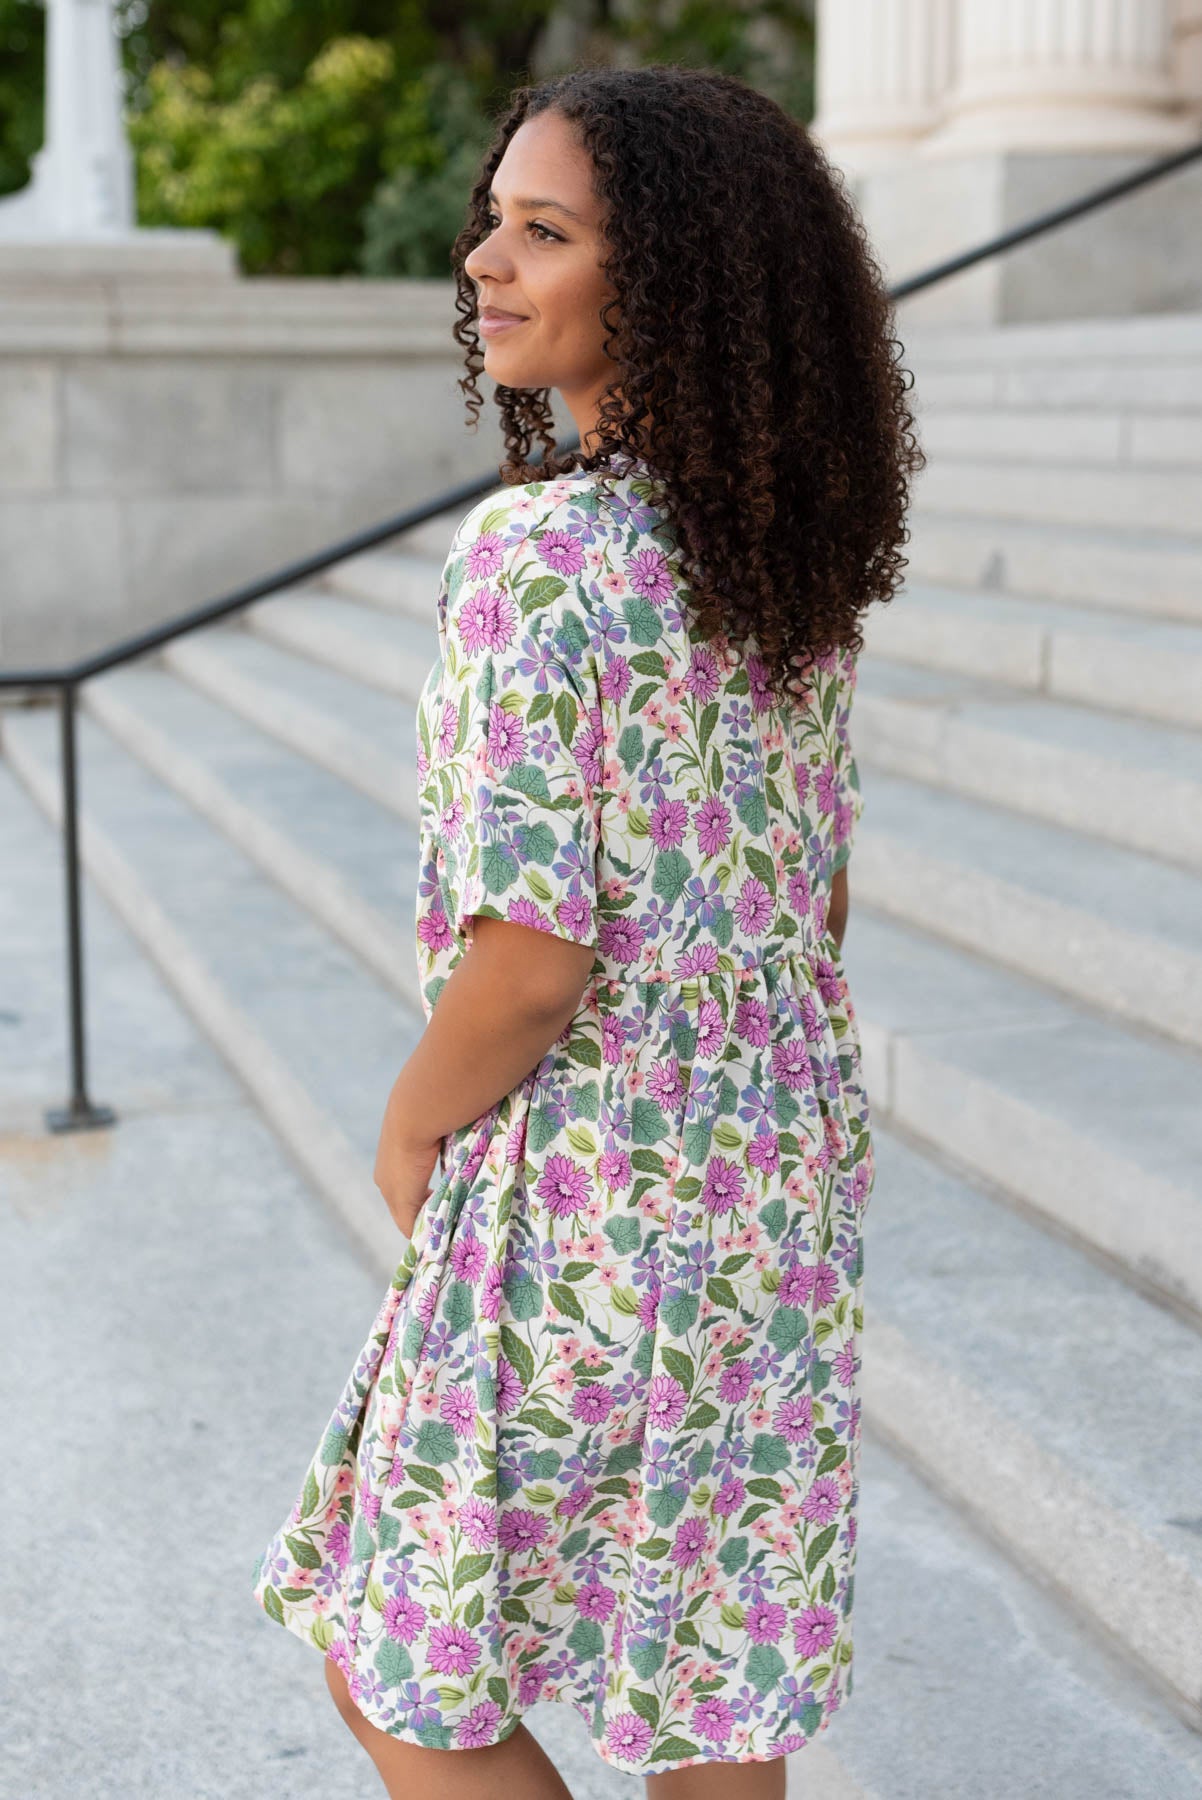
721,1781
517,1769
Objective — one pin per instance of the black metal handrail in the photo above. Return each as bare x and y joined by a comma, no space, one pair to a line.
80,1113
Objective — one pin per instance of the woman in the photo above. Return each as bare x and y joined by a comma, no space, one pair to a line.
602,1443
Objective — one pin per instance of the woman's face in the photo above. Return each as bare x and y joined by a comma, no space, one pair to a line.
542,260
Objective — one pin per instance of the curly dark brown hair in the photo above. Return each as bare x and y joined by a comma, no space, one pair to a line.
761,386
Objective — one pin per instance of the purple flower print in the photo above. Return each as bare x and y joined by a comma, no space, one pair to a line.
826,1284
561,551
730,1497
765,1621
825,789
574,1501
458,1408
822,1500
666,1403
490,1297
754,907
814,1630
794,1419
713,1719
724,1188
649,575
403,1618
753,1022
338,1544
595,1601
844,1364
688,1543
703,677
453,1650
485,556
478,1522
564,1186
796,1284
506,737
791,1065
486,620
712,822
628,1737
468,1258
521,1529
734,1383
480,1726
667,824
592,1403
509,1387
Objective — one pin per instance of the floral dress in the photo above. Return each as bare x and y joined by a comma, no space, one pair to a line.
602,1442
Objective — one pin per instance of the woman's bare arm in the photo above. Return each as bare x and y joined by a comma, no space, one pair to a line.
837,916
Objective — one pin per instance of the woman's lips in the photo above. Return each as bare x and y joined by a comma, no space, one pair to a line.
493,322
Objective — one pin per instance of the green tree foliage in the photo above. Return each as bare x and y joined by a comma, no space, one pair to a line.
342,136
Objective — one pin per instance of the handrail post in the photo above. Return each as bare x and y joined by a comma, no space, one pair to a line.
79,1114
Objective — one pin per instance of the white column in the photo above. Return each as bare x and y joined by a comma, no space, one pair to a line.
81,184
1059,75
883,67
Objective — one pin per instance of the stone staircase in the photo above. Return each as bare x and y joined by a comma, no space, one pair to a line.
1025,954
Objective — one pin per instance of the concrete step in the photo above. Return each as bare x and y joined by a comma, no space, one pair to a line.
1069,1115
1134,498
313,1033
1146,667
1111,927
1125,780
384,650
1082,438
940,1611
1018,1375
1143,574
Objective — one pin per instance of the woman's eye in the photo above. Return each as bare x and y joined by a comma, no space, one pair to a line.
493,220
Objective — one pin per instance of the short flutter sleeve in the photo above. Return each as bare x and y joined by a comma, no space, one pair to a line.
513,779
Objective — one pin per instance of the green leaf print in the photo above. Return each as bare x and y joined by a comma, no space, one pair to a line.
764,1668
702,1417
333,1447
572,1546
648,1126
311,1498
664,1506
818,1549
673,1749
586,1638
645,1705
643,622
427,1478
672,873
518,1354
678,1315
524,1298
436,1441
626,1234
788,1328
393,1662
303,1554
547,1422
769,1453
516,1611
562,1296
680,1367
721,1292
498,1690
647,1659
471,1568
687,1633
773,1218
273,1605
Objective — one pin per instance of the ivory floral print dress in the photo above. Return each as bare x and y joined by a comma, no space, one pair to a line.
602,1443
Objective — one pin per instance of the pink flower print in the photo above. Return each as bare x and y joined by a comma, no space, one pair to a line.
595,1601
794,1419
564,1186
822,1501
468,1258
798,890
814,1630
403,1617
712,1719
730,1497
487,620
649,575
368,1504
703,678
712,823
480,1726
763,1152
765,1621
791,1065
522,1529
723,1187
490,1299
844,1364
753,1022
478,1522
506,737
561,552
485,556
796,1283
666,1403
755,907
628,1737
826,1284
458,1408
668,824
735,1381
509,1389
453,1650
664,1084
688,1543
592,1403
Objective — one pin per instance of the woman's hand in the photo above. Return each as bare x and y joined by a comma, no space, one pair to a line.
403,1170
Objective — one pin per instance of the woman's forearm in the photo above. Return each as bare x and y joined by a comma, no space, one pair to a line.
483,1038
